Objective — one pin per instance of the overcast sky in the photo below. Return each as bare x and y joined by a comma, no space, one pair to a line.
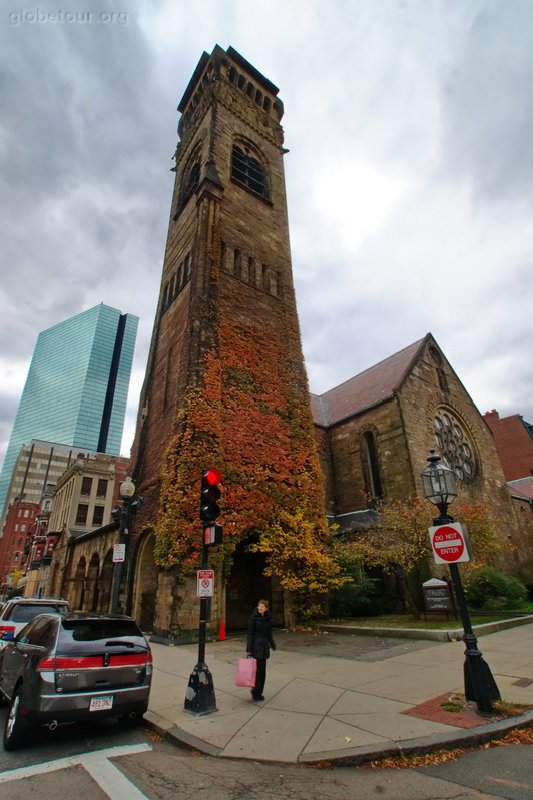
409,176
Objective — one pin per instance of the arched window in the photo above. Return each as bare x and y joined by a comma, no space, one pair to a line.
455,445
190,179
371,473
247,170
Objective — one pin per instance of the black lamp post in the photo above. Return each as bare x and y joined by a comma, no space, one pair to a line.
440,489
124,513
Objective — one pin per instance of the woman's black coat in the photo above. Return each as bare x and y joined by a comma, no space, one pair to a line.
260,638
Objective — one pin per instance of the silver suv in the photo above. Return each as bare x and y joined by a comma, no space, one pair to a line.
73,667
18,611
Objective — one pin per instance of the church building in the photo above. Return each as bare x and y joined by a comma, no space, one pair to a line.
226,386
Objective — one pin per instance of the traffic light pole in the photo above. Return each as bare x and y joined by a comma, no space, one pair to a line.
200,694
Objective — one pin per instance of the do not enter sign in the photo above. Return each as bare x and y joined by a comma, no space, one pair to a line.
449,543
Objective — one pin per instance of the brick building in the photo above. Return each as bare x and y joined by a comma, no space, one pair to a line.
513,437
14,543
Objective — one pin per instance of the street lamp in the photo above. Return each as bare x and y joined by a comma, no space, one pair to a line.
439,483
123,514
440,489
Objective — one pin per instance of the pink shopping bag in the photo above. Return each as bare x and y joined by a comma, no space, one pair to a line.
245,672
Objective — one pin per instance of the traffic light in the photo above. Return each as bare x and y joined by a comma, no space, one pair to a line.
210,494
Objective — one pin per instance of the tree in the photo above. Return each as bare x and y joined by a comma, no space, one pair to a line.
251,416
399,541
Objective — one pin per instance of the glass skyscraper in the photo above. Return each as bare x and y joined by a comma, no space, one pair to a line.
77,386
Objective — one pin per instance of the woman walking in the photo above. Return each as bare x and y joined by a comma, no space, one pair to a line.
258,644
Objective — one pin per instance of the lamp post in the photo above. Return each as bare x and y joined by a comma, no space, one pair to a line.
440,489
127,507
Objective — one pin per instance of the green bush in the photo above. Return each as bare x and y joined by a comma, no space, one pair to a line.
494,591
356,600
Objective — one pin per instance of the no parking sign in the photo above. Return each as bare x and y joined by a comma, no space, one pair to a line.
204,582
449,543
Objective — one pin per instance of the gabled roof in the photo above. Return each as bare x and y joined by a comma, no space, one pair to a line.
522,488
370,388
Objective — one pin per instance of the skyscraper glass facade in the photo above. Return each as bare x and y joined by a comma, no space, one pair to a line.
77,386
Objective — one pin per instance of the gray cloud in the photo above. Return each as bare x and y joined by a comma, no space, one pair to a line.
408,177
487,103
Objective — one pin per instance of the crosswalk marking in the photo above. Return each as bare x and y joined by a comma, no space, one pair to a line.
107,776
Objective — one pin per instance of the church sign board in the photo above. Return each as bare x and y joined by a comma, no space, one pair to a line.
437,596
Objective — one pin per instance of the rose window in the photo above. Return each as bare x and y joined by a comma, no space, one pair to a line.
455,446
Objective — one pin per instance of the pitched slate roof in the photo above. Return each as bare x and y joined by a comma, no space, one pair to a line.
370,388
522,488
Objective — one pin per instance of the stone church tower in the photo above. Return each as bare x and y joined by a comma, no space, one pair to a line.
225,384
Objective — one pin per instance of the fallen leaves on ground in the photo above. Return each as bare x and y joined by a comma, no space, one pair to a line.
519,736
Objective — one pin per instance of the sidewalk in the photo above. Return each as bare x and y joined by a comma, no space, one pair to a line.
336,708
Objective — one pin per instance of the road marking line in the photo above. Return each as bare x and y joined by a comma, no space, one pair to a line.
73,761
110,779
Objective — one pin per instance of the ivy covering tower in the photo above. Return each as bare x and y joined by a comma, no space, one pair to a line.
226,385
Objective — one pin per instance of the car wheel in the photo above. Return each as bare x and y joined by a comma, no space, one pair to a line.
16,727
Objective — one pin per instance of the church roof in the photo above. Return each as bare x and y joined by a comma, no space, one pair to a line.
522,488
370,388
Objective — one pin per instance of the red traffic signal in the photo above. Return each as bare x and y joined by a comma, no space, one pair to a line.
210,494
212,476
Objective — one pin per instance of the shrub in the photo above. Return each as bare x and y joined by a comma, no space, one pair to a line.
493,590
356,600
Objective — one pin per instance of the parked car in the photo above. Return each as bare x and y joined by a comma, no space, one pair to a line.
73,667
18,611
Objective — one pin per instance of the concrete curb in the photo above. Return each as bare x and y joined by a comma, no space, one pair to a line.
441,635
174,735
466,739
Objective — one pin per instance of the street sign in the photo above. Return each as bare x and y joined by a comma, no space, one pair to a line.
119,553
449,543
205,579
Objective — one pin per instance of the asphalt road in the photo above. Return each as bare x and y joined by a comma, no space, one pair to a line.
104,760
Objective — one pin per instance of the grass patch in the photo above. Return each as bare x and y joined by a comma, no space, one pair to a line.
452,705
431,622
506,709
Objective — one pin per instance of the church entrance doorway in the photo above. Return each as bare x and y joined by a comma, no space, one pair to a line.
246,585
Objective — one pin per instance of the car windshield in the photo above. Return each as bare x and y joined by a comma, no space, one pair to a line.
25,612
89,630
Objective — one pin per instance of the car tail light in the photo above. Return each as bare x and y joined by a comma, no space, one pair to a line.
133,660
46,664
78,662
88,662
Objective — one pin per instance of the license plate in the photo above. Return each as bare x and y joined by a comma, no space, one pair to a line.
101,703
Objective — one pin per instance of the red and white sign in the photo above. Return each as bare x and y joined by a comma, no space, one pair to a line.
449,543
205,579
119,553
